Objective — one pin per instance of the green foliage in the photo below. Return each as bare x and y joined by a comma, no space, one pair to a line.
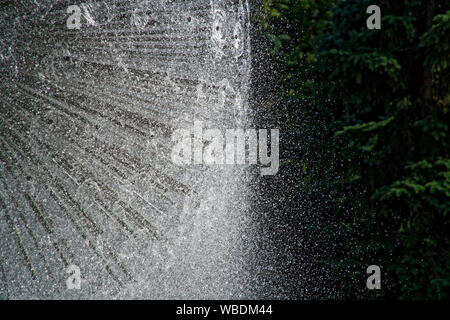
425,187
437,43
387,92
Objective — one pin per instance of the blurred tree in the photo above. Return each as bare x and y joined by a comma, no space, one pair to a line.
387,94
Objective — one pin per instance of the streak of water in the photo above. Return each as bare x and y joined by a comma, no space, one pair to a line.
86,178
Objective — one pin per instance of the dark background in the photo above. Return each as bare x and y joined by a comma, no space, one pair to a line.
364,152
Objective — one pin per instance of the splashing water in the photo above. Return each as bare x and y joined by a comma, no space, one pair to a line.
85,172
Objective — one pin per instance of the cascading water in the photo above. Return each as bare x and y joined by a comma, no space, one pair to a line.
86,177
